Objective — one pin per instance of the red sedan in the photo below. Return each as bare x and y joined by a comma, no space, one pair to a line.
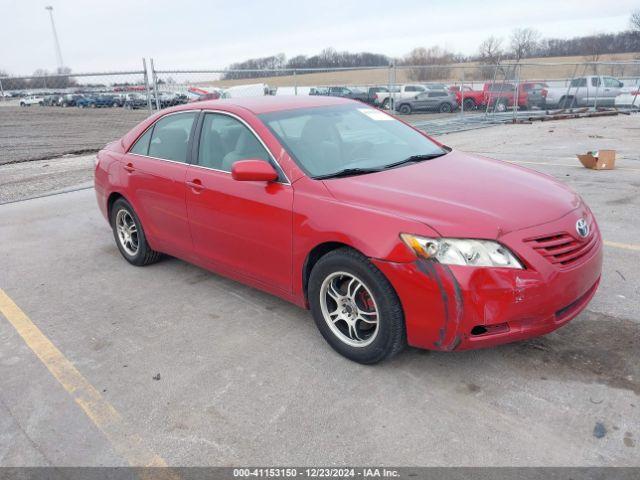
388,236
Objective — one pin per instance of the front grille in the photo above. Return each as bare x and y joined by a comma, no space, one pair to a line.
563,249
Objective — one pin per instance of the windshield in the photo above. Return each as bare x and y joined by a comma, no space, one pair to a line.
328,140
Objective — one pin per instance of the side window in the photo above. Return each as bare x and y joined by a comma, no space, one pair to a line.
411,88
579,82
595,81
225,140
170,137
611,82
141,147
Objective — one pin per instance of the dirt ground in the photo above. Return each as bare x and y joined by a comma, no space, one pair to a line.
35,133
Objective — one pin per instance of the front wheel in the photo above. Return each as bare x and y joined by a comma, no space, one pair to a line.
129,235
405,109
355,307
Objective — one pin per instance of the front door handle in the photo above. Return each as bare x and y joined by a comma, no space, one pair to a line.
129,167
195,184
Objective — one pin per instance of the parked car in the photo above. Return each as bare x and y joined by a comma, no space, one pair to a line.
96,101
69,100
51,100
473,99
436,100
319,91
384,99
586,92
628,98
393,238
31,100
206,96
134,101
349,92
372,93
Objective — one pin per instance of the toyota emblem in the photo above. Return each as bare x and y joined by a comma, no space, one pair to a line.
582,227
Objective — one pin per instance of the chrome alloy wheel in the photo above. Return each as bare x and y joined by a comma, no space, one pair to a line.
349,309
127,232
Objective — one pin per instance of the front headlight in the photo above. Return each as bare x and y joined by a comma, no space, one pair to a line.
462,251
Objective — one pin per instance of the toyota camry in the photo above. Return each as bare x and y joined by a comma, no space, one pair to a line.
388,236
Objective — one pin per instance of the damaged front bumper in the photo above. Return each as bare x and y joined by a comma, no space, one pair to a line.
461,307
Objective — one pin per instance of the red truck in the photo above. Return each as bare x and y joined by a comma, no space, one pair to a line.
472,98
500,95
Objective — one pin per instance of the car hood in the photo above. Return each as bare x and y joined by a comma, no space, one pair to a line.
461,195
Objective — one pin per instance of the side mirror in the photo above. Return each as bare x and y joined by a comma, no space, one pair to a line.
253,171
620,84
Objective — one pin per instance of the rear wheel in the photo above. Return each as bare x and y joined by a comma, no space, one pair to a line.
445,108
405,109
355,307
568,102
129,235
469,104
500,106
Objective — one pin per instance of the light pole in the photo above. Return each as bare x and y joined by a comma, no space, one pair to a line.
55,39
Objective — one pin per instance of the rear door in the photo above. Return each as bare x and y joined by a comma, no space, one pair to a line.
155,169
237,226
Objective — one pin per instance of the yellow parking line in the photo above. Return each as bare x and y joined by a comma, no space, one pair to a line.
99,411
626,246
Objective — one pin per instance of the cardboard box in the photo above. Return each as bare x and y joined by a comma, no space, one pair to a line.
600,160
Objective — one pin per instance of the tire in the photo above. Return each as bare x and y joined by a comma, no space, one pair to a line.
22,104
333,272
405,109
469,104
567,102
500,106
123,213
445,108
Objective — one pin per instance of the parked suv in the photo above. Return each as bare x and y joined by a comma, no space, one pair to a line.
438,100
31,100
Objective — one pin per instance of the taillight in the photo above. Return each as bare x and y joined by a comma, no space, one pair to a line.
544,92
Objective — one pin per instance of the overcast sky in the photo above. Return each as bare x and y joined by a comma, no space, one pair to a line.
115,34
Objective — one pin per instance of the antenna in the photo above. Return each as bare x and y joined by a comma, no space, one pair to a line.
55,39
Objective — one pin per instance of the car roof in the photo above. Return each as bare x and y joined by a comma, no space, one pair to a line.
270,103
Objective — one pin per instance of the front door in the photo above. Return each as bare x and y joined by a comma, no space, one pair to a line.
241,227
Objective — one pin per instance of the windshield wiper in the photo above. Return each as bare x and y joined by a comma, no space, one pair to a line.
347,172
415,158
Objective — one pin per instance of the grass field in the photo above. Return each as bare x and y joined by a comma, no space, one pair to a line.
545,70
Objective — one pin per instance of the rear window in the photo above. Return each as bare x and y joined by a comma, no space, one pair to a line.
141,147
170,137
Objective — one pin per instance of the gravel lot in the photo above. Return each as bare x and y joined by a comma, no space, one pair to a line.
35,133
206,371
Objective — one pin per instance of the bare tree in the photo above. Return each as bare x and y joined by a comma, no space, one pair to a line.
524,42
635,20
490,50
428,63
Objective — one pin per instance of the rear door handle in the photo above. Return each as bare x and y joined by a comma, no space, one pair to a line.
195,184
129,167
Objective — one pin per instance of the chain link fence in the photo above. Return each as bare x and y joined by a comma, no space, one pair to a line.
76,112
